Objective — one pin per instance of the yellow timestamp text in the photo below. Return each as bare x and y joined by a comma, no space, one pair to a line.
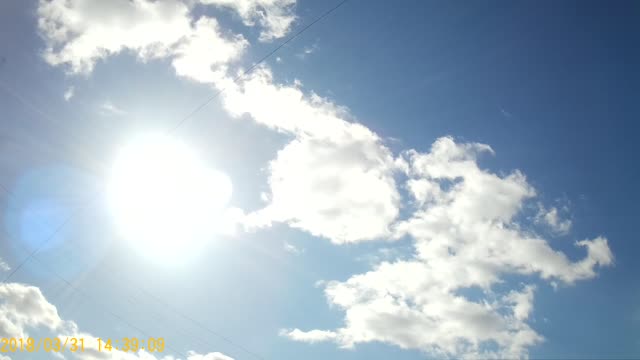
131,344
79,344
49,344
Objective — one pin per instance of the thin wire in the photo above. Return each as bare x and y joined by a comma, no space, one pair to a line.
104,308
196,110
24,101
255,65
138,286
180,123
35,109
199,324
39,247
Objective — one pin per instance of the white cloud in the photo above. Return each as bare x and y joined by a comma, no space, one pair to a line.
310,337
198,54
68,94
107,108
275,16
23,308
465,237
334,179
337,190
4,266
307,50
552,218
290,248
78,33
209,356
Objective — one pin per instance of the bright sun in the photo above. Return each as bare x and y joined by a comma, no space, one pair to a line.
163,198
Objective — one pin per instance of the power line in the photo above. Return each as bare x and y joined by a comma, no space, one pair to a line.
200,107
68,283
75,289
140,288
200,324
38,248
180,123
262,60
104,308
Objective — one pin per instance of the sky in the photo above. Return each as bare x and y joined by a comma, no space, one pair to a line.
406,180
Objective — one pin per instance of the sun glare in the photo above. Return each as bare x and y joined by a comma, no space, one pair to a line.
163,198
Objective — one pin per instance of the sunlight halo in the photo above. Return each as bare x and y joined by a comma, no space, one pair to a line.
162,196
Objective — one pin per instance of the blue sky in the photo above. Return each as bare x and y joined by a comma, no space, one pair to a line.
409,179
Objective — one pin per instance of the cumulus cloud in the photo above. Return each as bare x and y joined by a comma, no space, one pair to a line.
552,218
274,16
334,179
465,237
203,48
78,33
23,308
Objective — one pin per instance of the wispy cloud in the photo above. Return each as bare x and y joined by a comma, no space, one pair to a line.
308,50
290,248
554,220
107,108
69,93
505,113
4,266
